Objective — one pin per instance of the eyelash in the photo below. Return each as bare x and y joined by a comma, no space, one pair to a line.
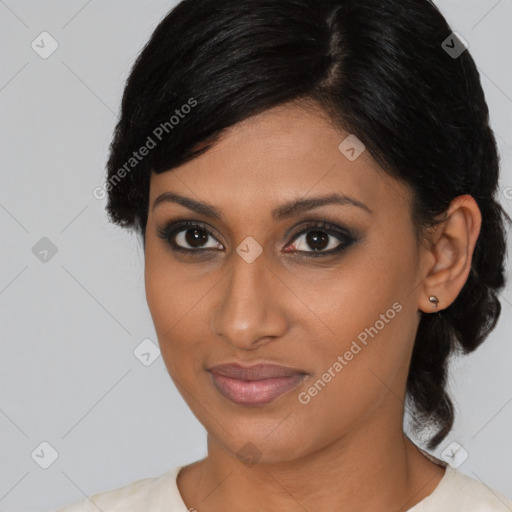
346,236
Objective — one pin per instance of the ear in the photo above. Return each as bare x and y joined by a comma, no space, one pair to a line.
447,261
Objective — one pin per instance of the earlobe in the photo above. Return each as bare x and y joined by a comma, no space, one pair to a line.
431,304
452,250
434,300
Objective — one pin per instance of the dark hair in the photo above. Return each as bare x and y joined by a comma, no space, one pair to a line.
380,71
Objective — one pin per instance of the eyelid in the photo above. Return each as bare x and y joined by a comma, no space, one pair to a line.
322,225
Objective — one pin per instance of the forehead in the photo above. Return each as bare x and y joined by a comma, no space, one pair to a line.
284,153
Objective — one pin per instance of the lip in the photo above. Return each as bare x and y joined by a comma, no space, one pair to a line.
255,385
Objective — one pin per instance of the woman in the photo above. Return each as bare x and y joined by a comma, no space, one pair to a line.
314,185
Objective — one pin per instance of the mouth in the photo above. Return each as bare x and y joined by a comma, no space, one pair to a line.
255,385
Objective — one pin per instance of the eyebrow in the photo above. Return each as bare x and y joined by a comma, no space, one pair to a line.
284,211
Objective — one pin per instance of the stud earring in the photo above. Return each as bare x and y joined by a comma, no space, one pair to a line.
434,300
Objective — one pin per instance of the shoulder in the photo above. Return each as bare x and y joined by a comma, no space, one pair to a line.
460,492
145,494
473,494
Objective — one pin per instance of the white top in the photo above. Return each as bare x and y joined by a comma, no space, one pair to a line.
456,492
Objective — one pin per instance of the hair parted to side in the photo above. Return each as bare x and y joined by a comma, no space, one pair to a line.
378,69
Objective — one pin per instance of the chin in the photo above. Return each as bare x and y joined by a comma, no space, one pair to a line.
260,445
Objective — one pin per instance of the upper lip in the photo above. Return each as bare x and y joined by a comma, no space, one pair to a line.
254,372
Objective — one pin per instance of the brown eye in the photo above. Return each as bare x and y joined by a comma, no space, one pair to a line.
317,240
188,237
194,237
322,239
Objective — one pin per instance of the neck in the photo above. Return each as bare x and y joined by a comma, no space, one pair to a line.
373,467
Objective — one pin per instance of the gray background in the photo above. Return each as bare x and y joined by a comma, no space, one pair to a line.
69,326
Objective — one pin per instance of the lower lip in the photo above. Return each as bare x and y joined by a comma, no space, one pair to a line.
256,392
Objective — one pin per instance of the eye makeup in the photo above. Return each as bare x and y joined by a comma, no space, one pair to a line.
174,234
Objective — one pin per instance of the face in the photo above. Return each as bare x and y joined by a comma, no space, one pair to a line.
329,288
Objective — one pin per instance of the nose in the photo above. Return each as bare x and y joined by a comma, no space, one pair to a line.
250,305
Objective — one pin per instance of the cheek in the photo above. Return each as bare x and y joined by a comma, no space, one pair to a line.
366,315
361,367
166,291
165,296
177,308
161,293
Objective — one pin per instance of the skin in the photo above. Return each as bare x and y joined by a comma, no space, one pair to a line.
345,449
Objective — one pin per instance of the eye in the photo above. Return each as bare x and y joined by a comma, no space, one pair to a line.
188,237
320,236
